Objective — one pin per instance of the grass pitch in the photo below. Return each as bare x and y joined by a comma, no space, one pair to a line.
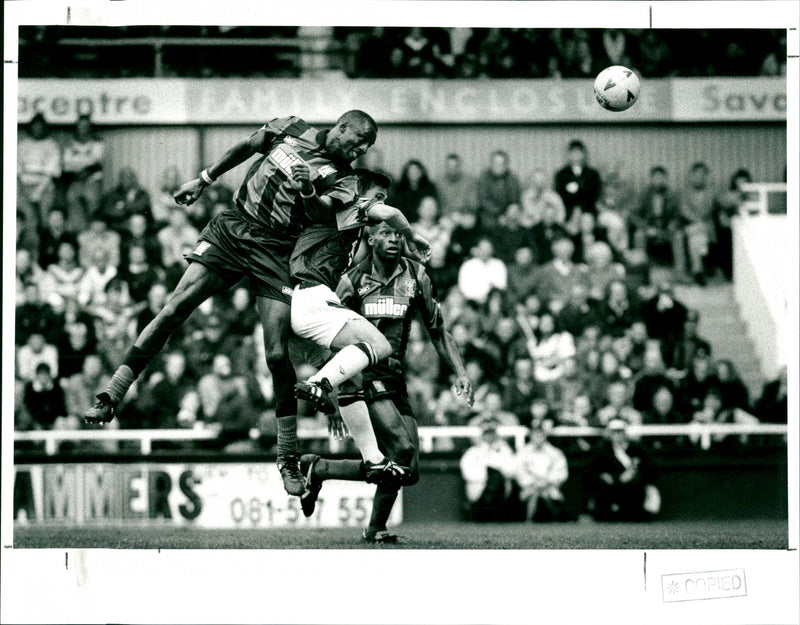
727,534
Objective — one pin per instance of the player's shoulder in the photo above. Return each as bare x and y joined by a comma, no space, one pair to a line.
291,125
416,268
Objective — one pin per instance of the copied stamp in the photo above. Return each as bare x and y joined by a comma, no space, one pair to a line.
703,585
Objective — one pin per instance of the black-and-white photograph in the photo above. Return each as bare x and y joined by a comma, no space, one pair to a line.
368,286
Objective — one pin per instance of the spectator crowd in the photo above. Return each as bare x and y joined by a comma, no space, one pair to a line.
545,284
394,52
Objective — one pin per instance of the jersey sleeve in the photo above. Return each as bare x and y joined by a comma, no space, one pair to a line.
346,291
426,301
274,128
354,214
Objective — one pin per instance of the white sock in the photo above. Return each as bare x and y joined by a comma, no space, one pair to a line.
356,418
343,366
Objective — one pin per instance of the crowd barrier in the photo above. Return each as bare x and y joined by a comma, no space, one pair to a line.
427,435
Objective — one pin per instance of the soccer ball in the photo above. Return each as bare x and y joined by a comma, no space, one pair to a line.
616,88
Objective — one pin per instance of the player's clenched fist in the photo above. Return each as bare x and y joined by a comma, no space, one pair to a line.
189,192
419,247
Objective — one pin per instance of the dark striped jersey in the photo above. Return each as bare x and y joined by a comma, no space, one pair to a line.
391,305
324,251
268,195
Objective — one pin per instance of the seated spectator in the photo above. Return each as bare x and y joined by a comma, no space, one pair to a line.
579,312
492,408
38,167
608,371
156,298
577,183
161,398
552,349
613,211
511,234
62,279
44,397
138,233
588,233
653,58
538,198
457,191
640,343
76,345
27,272
563,391
33,316
468,230
710,411
91,290
726,207
579,413
139,274
521,276
225,404
547,231
698,381
34,352
174,272
80,388
520,389
615,48
488,470
665,317
82,159
213,341
656,219
541,472
51,235
98,236
772,406
652,377
732,390
557,278
662,409
436,231
617,311
419,52
126,199
482,273
413,185
115,321
601,270
691,343
618,406
696,205
505,339
497,188
622,484
175,237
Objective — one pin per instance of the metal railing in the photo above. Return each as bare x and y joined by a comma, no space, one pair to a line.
427,435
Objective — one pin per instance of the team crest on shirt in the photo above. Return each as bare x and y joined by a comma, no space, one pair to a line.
409,287
326,170
290,141
365,288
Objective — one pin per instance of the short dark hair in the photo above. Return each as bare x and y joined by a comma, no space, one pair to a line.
43,367
658,169
577,144
453,156
359,117
368,179
699,165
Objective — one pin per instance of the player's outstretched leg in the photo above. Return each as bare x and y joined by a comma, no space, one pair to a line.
274,316
197,284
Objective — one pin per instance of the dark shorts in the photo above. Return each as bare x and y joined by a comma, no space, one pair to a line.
233,246
372,389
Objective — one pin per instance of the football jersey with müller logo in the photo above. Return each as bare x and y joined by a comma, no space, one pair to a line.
268,195
391,305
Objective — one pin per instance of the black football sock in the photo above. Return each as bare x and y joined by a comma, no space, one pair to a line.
350,470
382,505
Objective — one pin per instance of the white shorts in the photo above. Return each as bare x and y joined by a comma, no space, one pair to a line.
318,314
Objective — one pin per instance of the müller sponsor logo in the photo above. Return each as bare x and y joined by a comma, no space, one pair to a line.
703,585
385,307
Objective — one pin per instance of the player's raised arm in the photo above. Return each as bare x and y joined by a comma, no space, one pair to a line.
236,155
418,245
442,340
